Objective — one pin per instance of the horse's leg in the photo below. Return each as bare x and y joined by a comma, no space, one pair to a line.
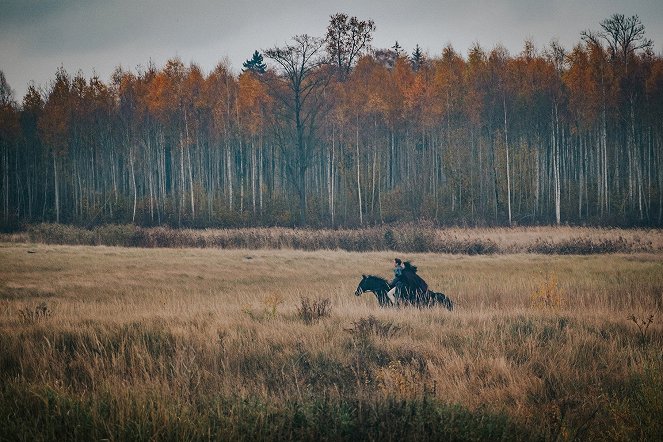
401,297
438,298
430,299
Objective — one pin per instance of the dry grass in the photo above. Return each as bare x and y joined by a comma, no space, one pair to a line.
408,238
527,239
197,343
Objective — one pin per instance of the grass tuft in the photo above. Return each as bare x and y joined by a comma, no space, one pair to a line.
35,313
311,311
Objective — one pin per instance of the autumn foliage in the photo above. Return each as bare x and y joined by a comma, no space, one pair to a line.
544,136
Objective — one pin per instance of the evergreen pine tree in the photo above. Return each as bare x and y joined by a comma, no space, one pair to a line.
397,49
417,59
255,64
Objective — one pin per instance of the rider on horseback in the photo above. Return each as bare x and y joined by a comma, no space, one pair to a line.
397,283
414,281
407,285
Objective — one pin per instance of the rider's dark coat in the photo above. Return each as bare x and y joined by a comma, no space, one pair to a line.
413,281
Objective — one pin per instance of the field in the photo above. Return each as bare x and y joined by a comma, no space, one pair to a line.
177,344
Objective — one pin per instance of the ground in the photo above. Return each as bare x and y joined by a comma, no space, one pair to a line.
133,343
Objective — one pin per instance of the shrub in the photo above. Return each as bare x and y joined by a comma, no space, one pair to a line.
31,314
579,246
116,235
312,311
643,326
389,240
548,294
272,303
373,325
417,237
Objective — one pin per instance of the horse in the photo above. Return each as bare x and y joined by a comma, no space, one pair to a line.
380,287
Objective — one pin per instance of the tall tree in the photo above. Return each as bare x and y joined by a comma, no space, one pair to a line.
8,132
347,37
6,93
398,49
54,129
31,112
417,58
255,64
299,89
624,36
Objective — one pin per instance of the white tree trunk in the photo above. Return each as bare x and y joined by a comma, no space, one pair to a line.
57,189
508,170
361,215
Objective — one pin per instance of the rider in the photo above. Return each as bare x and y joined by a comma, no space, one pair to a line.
397,283
407,284
414,281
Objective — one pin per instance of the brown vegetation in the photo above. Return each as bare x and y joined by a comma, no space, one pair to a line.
403,237
198,343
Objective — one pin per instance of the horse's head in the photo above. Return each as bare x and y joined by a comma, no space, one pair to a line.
373,284
361,288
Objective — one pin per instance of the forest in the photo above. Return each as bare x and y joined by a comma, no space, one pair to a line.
331,132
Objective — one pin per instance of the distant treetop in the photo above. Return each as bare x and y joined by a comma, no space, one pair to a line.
417,59
346,39
255,64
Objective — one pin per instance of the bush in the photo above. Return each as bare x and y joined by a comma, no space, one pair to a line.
418,237
32,314
580,246
373,325
312,311
548,295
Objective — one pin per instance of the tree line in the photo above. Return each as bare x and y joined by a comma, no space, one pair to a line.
331,132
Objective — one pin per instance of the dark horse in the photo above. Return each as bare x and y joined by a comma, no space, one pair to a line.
380,287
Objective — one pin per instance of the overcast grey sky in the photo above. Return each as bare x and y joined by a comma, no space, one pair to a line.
37,36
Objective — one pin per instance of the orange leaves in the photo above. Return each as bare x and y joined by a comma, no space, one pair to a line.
56,117
584,89
9,124
402,74
252,98
420,100
175,95
8,111
219,91
160,97
193,86
366,92
654,81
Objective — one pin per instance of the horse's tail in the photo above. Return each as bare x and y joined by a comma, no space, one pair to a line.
445,301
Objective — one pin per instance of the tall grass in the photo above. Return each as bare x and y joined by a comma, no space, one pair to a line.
187,344
409,238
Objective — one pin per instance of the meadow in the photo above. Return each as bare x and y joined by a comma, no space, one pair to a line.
183,343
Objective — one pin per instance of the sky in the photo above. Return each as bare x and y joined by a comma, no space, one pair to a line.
96,36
